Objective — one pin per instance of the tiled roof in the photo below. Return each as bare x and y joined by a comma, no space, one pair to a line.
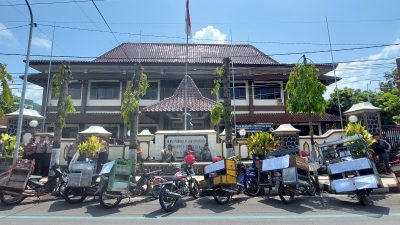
176,53
280,118
96,118
196,102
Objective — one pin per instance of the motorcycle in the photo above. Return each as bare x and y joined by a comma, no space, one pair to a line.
247,183
156,186
183,185
34,188
111,192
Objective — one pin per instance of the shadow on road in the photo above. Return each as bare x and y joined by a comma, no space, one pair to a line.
210,204
28,201
303,204
62,205
181,203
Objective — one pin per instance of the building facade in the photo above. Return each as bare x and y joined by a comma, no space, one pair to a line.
257,90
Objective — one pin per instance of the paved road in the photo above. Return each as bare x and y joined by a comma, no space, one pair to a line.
327,209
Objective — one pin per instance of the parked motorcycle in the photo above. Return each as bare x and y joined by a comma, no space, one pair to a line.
34,188
156,186
183,185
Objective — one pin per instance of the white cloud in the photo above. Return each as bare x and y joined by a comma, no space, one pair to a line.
210,35
41,42
6,34
33,92
360,75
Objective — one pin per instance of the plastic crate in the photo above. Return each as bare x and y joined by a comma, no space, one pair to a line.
223,180
120,176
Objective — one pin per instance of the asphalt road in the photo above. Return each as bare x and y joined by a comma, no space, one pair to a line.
325,209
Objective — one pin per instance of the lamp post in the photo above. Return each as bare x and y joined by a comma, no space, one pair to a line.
241,141
222,136
353,119
146,136
22,101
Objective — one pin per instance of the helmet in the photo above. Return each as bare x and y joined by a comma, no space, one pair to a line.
189,159
216,159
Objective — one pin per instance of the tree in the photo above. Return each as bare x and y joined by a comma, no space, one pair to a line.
6,97
224,110
390,78
60,84
390,103
348,97
136,89
306,94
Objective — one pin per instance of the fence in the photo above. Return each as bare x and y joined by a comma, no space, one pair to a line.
392,135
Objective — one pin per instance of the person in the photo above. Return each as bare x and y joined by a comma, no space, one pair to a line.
168,154
139,152
103,154
1,146
49,149
380,151
71,150
30,149
205,153
189,150
40,157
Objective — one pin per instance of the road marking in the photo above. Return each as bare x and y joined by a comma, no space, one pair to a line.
214,217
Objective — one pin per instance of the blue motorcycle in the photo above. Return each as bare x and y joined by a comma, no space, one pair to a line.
247,179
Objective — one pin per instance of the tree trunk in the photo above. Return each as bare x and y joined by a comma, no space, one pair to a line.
226,82
66,76
135,119
312,153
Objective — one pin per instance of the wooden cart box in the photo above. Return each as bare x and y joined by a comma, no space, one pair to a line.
297,161
286,161
18,176
221,173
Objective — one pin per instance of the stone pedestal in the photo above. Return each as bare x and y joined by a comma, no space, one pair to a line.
287,135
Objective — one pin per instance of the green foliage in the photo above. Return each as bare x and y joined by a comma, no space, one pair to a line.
390,82
69,105
356,128
215,89
390,103
9,145
348,97
131,98
216,113
261,143
90,148
305,90
6,94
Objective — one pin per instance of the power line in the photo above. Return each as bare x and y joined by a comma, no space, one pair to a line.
48,3
10,28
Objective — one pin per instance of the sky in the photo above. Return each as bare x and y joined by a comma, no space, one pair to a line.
365,34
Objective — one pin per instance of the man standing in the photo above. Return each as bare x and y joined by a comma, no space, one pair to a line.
40,157
380,148
206,153
72,149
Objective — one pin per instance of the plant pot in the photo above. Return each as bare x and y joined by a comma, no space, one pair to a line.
5,164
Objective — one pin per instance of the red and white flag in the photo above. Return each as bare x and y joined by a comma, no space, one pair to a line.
188,24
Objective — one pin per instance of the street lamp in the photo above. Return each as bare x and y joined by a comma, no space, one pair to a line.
146,136
353,119
33,123
241,140
222,136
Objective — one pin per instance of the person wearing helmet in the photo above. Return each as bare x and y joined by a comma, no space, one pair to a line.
216,159
189,160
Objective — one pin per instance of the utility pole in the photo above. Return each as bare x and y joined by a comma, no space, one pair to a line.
22,101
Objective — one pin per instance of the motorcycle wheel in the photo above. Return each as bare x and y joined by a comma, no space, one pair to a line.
10,199
252,188
285,195
363,197
194,188
167,203
220,196
74,195
312,189
109,200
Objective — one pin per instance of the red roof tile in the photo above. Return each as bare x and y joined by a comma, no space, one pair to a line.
280,118
196,102
176,53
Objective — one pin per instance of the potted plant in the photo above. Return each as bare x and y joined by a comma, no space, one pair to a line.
89,148
356,128
261,143
7,157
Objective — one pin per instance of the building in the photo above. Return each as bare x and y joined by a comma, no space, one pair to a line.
98,86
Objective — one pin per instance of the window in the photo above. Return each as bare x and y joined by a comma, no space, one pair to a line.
104,90
74,89
152,91
67,132
267,91
240,91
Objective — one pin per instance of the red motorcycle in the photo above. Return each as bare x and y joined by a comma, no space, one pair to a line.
183,185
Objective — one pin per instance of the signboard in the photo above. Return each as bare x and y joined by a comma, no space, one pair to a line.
255,127
180,143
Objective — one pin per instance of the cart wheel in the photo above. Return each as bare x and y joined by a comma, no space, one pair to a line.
285,195
11,199
312,189
74,195
363,197
167,203
194,188
220,196
252,188
109,199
